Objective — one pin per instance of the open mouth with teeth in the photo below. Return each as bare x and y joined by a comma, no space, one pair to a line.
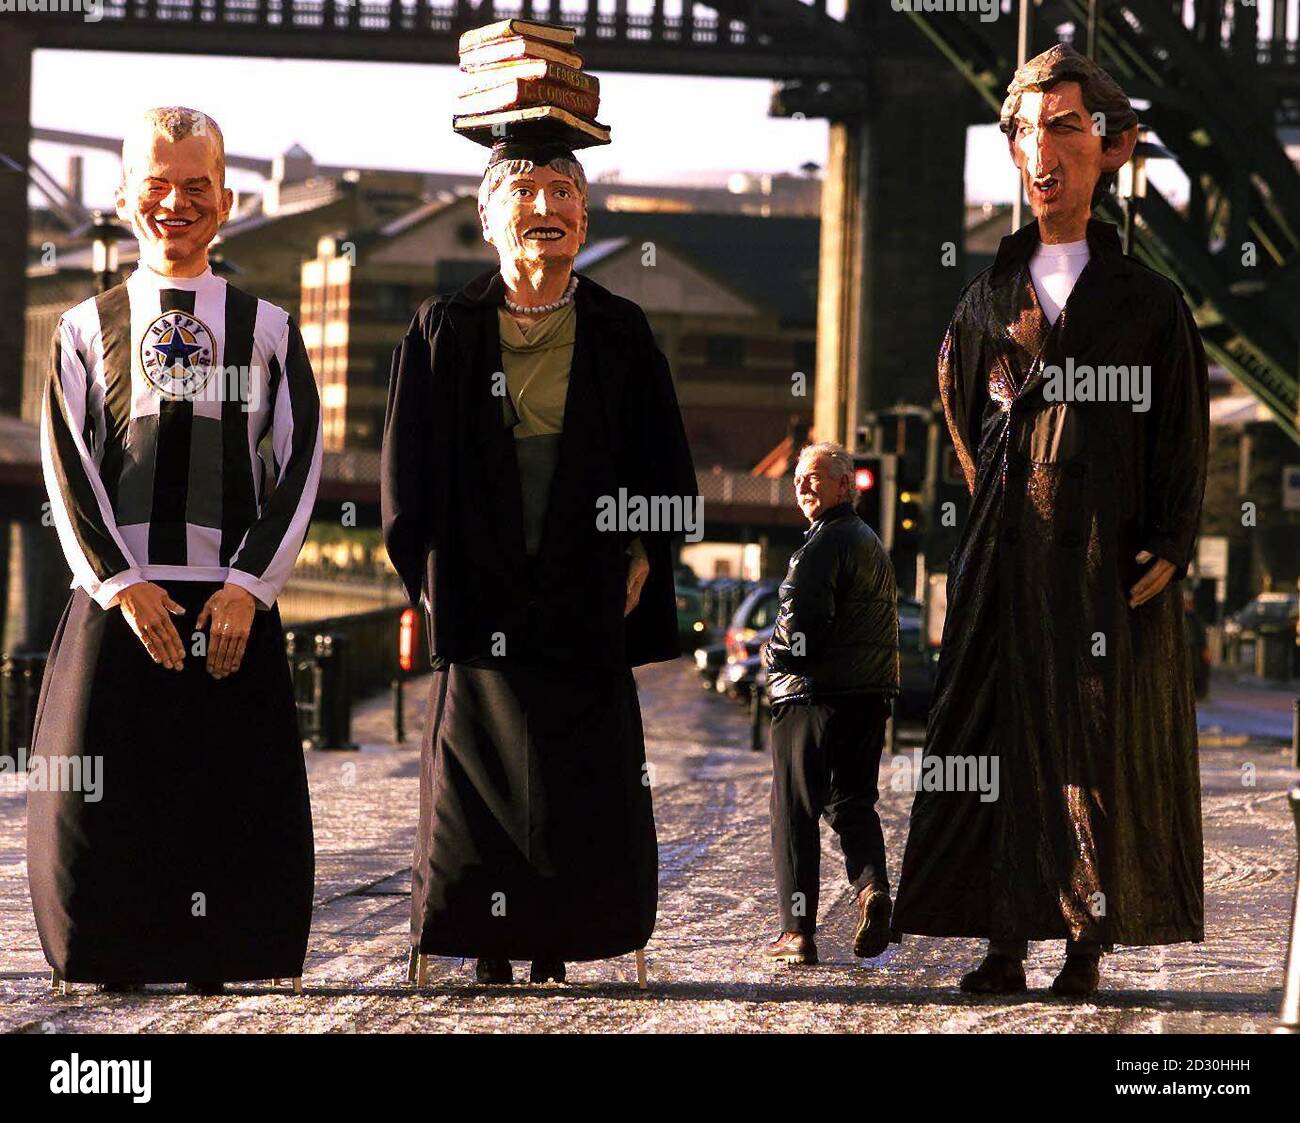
545,233
1047,187
173,223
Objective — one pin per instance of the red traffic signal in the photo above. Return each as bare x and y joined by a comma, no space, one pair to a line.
864,479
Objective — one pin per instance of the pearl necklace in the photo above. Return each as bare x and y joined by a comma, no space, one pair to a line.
538,309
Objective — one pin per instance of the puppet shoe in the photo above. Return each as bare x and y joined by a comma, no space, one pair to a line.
998,974
872,934
491,969
546,971
792,947
1078,978
205,988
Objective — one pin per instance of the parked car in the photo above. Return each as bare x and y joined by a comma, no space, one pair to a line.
691,626
722,596
917,664
1266,609
709,661
750,628
1268,615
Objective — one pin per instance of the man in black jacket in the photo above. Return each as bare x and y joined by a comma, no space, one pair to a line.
832,668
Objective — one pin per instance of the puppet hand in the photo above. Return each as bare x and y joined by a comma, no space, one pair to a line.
230,609
638,569
146,607
1155,579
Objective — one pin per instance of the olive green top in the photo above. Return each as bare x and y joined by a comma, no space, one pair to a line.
537,358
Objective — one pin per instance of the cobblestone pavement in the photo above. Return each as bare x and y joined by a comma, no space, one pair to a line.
715,913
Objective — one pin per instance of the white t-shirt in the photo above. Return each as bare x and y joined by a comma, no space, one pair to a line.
1054,270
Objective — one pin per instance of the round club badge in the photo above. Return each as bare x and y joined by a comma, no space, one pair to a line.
176,354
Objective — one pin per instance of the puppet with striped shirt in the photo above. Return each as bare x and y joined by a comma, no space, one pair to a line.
181,447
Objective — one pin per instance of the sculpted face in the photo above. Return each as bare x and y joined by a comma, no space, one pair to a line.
816,490
536,216
174,196
1060,155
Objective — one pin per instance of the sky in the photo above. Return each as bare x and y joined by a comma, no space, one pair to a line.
389,115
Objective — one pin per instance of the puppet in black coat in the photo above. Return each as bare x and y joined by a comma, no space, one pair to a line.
536,837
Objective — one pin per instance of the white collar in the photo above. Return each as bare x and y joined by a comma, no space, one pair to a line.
154,279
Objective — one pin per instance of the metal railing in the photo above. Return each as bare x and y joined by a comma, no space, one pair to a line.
20,689
334,663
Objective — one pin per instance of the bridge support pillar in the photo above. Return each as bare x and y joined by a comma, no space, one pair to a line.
892,256
15,136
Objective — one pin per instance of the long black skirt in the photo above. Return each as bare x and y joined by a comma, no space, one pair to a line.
536,834
194,858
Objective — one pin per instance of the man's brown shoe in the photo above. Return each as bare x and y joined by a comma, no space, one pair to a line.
874,912
998,974
792,947
1078,978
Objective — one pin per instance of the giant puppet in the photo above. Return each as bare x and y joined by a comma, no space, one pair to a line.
1074,385
520,406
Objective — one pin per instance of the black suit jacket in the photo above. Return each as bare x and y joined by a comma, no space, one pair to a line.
451,506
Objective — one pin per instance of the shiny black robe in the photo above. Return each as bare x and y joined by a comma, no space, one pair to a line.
1086,703
536,834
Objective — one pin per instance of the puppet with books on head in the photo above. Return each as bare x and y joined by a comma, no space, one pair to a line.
518,407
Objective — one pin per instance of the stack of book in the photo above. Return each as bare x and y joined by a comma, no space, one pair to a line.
521,72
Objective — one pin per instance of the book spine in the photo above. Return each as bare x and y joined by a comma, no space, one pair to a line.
530,70
542,92
504,29
521,94
514,49
587,83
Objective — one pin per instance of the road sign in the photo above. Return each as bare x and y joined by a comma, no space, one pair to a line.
1212,556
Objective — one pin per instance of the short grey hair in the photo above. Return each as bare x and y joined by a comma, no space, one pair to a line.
838,460
176,122
498,173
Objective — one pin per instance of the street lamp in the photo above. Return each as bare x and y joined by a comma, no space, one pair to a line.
104,236
1133,181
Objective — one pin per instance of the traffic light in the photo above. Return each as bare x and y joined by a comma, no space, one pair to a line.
868,489
909,520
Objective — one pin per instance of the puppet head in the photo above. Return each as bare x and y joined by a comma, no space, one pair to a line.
533,202
173,189
1070,128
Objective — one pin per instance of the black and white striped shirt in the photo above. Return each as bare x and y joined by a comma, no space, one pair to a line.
161,391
